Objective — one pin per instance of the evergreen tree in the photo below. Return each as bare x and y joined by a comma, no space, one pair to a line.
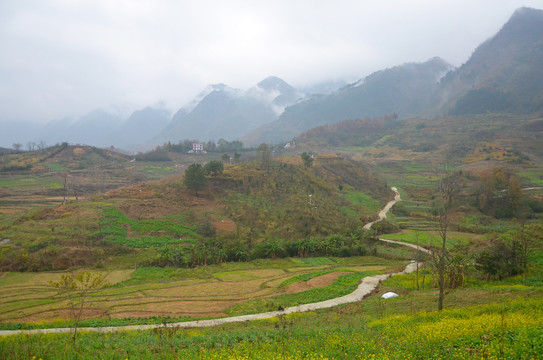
308,159
195,178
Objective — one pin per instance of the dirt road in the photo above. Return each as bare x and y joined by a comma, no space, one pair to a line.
383,213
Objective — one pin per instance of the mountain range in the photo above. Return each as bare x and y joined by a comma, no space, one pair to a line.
503,75
228,113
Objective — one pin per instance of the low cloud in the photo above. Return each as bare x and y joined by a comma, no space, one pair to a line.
65,58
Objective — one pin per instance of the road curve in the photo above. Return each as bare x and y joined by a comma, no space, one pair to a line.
384,211
365,288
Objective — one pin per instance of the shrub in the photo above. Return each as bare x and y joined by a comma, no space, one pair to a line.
384,227
500,260
214,168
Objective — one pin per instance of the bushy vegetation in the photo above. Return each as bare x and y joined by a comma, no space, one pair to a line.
158,154
358,132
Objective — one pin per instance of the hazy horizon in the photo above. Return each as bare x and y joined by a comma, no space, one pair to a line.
64,59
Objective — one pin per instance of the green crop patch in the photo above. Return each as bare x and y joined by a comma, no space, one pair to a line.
363,202
153,233
313,261
304,277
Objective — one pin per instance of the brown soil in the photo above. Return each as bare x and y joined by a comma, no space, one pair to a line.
316,282
60,314
225,226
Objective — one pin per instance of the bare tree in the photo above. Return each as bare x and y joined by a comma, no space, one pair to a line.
75,289
17,147
446,191
264,153
417,258
31,145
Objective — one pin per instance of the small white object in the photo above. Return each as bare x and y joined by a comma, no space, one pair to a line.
389,295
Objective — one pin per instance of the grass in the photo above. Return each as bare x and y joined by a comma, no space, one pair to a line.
365,203
304,277
116,226
314,261
431,238
532,178
26,183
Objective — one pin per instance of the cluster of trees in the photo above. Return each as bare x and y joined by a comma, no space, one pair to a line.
503,258
227,158
158,154
195,175
498,194
50,256
212,251
307,159
30,146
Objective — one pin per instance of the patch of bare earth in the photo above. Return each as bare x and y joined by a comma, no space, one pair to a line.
51,315
316,282
225,226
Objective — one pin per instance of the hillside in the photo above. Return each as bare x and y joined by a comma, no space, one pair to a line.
405,90
504,74
452,138
255,240
139,127
244,206
227,113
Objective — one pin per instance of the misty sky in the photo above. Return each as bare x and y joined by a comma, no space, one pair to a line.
63,58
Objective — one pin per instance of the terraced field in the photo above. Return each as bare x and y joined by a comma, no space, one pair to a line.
180,293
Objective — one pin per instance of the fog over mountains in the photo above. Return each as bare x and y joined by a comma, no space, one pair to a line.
504,74
229,113
405,90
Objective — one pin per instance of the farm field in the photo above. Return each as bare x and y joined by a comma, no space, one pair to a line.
213,291
499,321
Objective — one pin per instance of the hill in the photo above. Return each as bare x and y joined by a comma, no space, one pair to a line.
139,127
242,207
442,139
93,128
504,74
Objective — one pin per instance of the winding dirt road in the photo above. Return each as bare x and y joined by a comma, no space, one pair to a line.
383,213
366,287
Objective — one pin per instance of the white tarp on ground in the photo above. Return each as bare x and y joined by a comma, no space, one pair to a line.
389,295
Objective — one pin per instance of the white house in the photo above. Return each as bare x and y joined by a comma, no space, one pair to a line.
197,148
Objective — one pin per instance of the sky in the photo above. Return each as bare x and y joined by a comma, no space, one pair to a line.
64,58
